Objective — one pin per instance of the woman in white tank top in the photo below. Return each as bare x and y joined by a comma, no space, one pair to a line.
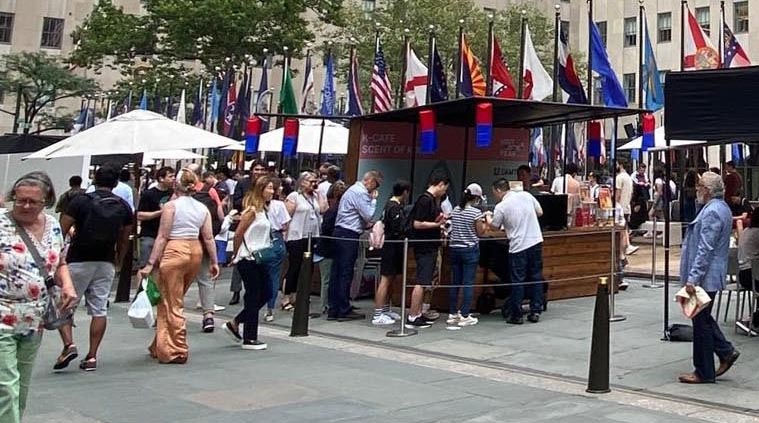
185,223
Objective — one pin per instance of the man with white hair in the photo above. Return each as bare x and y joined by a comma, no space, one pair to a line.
703,263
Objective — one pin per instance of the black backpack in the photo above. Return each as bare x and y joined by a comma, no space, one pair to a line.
408,224
204,197
102,225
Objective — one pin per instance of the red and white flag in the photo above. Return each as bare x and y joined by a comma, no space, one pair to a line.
382,94
699,51
503,85
415,86
538,83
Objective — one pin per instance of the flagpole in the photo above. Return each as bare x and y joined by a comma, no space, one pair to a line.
721,31
430,64
590,53
489,81
304,100
641,51
557,35
404,66
460,67
683,7
376,50
521,55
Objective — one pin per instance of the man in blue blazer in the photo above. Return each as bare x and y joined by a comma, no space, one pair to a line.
704,263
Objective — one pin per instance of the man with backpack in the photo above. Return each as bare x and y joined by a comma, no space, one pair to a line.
75,188
102,223
210,198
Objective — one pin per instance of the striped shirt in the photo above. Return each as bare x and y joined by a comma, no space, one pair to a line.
463,232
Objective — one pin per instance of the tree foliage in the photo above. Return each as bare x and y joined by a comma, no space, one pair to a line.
205,30
42,80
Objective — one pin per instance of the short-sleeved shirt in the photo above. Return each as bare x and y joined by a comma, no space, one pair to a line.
517,213
23,295
733,185
742,207
79,209
625,187
278,215
463,227
306,219
152,200
426,209
394,218
65,198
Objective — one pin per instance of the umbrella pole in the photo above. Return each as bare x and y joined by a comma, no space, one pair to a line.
321,139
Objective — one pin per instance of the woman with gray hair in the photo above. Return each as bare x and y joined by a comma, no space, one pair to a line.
25,277
305,206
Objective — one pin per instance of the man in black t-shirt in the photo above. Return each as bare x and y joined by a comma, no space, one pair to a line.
427,221
149,211
102,223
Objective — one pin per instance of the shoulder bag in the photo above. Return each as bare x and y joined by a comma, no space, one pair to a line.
266,255
54,316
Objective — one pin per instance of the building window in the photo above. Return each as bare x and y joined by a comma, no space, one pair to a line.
664,27
663,77
602,30
368,7
628,84
703,17
52,33
564,28
6,27
740,16
631,32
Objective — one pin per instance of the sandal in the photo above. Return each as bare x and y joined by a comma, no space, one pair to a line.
68,355
89,364
287,306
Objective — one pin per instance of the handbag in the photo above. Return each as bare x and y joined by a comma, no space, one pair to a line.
265,255
54,316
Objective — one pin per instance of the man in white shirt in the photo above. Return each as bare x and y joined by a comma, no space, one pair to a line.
517,214
566,184
624,190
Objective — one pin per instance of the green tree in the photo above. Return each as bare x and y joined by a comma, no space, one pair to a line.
205,30
41,80
444,15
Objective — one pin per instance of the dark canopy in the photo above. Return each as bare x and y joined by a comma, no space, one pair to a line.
507,113
25,143
719,106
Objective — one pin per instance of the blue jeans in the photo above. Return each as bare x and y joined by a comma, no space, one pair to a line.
708,340
526,267
274,270
464,262
341,274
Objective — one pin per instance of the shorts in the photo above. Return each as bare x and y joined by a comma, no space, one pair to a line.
425,266
392,259
221,252
146,247
93,281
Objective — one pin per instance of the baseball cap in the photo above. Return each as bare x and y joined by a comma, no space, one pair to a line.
475,190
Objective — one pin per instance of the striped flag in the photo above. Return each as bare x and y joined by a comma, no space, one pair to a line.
353,106
306,105
382,97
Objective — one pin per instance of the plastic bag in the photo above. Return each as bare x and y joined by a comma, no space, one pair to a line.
151,289
141,311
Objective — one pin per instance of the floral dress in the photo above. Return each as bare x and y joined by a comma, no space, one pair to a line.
23,295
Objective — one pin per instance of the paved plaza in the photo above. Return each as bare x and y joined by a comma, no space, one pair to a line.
352,372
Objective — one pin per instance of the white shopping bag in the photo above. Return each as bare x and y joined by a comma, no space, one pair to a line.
141,312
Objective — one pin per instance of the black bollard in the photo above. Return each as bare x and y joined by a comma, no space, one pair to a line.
598,374
302,299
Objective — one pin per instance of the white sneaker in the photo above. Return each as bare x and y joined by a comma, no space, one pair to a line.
383,320
648,235
453,319
269,317
468,321
631,249
217,307
393,315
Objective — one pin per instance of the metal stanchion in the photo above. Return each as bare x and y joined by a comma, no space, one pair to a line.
403,332
613,317
653,283
302,300
598,371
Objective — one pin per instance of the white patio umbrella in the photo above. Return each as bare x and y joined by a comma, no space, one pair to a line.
660,143
334,139
152,156
139,131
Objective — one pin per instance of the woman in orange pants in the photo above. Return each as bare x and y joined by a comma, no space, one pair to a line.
183,221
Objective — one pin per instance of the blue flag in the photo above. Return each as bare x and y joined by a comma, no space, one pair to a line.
144,100
214,101
651,83
439,84
328,91
611,89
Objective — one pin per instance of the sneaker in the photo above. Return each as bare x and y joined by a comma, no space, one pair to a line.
417,323
88,365
515,321
217,307
232,332
68,355
208,325
648,235
468,321
254,345
623,285
393,315
382,320
533,317
431,315
453,319
269,316
631,249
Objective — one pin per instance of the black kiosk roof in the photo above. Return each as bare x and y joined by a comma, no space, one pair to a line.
507,113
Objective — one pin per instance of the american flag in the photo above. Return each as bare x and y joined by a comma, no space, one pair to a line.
381,93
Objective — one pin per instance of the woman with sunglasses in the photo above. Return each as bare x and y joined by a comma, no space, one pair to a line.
305,206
